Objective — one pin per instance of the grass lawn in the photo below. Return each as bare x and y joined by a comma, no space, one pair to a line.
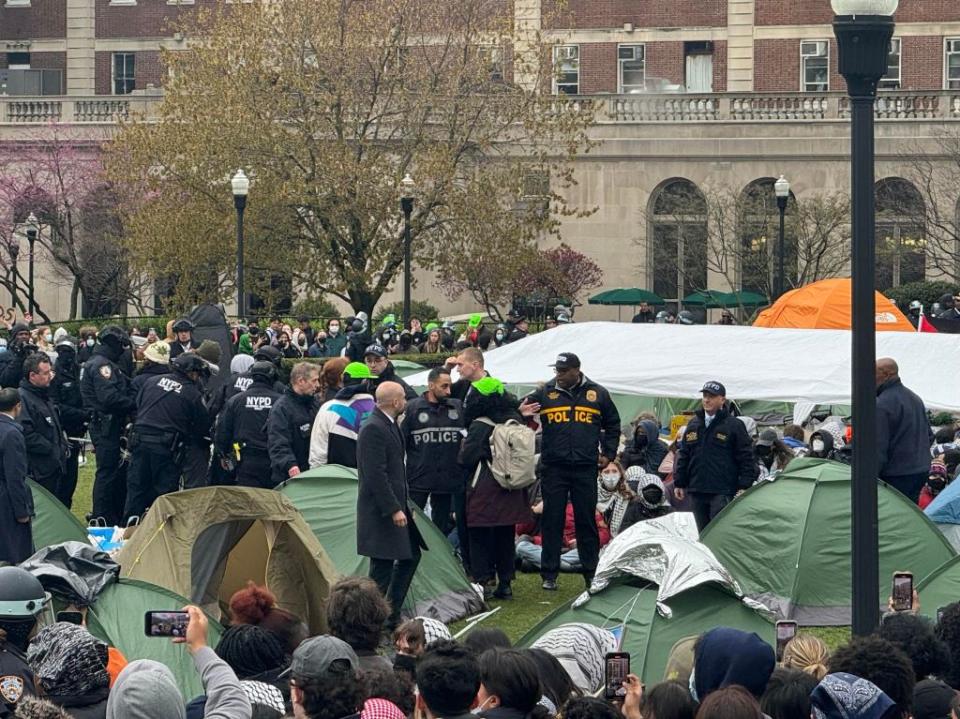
529,605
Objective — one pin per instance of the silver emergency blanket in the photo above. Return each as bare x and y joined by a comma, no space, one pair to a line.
666,551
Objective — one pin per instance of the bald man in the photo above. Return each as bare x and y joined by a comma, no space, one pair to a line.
385,529
903,433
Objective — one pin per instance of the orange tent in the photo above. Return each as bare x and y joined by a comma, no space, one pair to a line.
826,305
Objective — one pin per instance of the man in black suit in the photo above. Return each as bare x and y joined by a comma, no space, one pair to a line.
385,530
16,500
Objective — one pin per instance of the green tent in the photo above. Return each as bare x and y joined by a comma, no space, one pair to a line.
788,542
939,588
327,498
116,617
404,367
648,636
53,523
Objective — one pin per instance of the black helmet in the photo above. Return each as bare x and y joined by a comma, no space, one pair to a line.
191,362
685,317
268,353
21,594
264,370
183,325
114,336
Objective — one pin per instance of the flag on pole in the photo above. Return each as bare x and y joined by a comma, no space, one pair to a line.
925,325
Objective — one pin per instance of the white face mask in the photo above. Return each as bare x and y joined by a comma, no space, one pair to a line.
334,329
90,342
48,338
817,445
478,709
609,480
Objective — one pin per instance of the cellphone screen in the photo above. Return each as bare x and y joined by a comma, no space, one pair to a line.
617,668
166,624
785,632
902,592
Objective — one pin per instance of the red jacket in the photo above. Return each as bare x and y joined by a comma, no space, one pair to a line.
532,528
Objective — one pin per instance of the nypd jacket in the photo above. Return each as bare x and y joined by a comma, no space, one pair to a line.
244,419
104,387
432,432
171,404
579,424
333,438
717,459
288,433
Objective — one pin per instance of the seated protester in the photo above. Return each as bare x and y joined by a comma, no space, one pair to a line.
357,613
580,649
644,448
613,495
411,639
395,688
509,686
258,659
448,679
147,689
808,654
936,482
726,656
914,635
822,445
951,458
880,662
324,680
650,500
772,454
666,471
558,687
529,546
842,695
787,695
793,437
258,606
933,699
70,666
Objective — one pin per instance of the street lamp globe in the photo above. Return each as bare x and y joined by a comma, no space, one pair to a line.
32,223
864,7
782,187
240,184
408,187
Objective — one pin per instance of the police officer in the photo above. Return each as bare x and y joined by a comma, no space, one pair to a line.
358,338
715,457
290,421
183,342
243,381
170,414
375,357
241,436
581,429
107,395
46,443
16,499
11,361
432,431
21,600
65,392
519,327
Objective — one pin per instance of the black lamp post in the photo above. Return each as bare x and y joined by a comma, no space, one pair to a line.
864,29
240,184
14,256
781,189
32,240
407,189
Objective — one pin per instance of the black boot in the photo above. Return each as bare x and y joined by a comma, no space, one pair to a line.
503,591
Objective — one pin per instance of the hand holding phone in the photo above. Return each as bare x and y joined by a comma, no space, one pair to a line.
633,688
616,669
786,631
902,594
162,623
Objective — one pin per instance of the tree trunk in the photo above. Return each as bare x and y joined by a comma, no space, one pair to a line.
74,298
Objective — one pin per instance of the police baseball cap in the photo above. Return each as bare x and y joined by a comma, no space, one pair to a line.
377,350
358,370
715,388
322,657
567,360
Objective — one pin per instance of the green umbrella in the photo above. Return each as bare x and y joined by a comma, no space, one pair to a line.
738,299
704,297
626,296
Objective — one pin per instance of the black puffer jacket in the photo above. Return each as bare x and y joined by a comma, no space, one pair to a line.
717,459
645,449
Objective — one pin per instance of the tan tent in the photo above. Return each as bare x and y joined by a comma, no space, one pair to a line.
207,543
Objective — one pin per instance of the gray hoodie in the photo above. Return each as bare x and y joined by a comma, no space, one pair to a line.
147,689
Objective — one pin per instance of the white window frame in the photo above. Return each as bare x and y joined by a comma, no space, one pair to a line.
887,81
621,61
559,50
951,47
17,3
803,65
113,71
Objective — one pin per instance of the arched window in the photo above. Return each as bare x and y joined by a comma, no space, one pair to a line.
758,230
678,240
901,243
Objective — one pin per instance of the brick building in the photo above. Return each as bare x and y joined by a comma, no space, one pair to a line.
706,92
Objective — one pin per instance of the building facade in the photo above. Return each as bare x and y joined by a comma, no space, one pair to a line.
695,97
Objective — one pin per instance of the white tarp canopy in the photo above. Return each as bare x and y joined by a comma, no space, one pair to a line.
673,361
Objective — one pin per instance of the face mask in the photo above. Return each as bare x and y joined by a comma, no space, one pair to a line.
499,336
90,342
817,445
334,329
640,440
609,480
936,484
653,495
48,338
479,709
764,452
